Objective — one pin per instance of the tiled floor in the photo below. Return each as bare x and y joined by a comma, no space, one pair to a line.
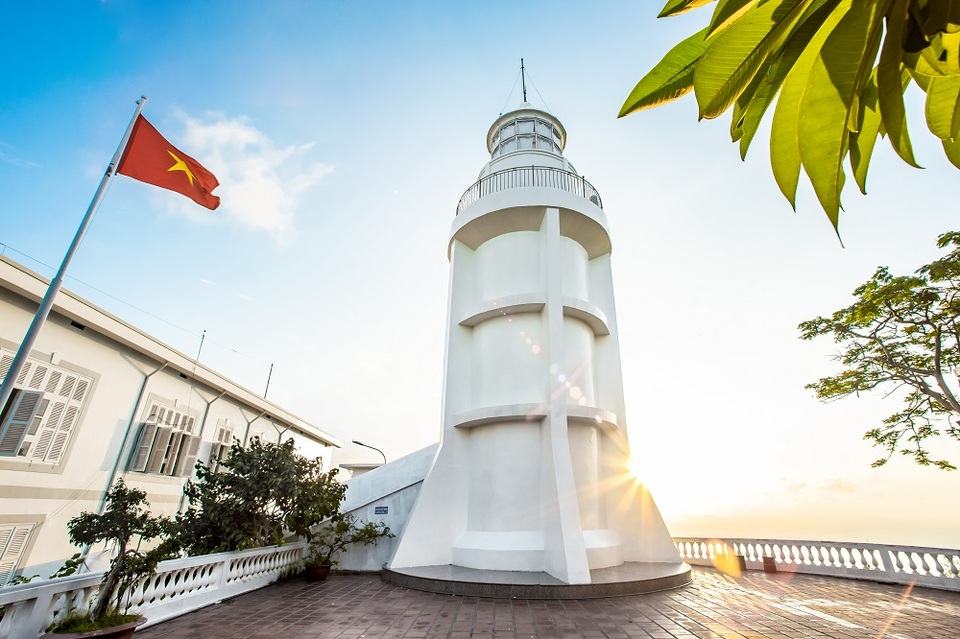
755,606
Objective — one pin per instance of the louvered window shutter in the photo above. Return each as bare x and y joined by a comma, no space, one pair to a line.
35,426
214,460
170,458
54,381
138,461
13,541
188,456
47,431
16,419
63,434
68,385
5,362
39,372
22,377
159,449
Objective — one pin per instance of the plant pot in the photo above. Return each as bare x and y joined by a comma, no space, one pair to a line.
317,573
123,631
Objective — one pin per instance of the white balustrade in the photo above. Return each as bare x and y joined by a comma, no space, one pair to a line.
929,567
184,585
179,586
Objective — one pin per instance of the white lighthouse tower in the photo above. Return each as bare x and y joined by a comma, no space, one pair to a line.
531,484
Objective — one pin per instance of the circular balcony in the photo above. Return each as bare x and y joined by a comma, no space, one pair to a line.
530,176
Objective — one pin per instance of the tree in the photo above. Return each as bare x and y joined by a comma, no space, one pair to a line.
125,518
255,497
336,535
318,498
837,70
902,334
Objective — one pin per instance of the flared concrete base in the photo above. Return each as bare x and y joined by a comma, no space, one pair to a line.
631,578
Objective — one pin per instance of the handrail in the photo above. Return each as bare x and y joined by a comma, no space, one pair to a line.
179,586
921,566
530,176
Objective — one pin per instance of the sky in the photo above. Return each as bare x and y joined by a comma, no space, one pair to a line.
343,135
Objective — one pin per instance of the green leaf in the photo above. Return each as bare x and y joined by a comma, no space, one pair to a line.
943,106
863,141
784,134
727,12
952,149
835,83
676,7
761,92
737,53
890,83
671,78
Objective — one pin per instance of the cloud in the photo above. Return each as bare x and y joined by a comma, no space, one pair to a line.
261,182
838,485
792,486
13,160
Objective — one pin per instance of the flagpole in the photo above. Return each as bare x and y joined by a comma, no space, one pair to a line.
47,302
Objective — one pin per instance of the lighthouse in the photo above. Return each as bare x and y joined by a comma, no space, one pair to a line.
531,487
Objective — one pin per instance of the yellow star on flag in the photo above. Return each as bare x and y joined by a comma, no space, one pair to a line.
180,165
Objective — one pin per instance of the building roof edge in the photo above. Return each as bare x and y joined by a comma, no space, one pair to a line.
20,280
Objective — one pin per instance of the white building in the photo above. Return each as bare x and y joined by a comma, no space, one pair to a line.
100,399
533,471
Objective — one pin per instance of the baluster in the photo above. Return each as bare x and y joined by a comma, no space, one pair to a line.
945,566
822,556
844,557
918,566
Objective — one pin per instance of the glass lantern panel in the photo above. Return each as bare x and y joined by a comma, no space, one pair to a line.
525,126
507,130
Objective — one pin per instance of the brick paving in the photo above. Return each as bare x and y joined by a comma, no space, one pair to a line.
754,606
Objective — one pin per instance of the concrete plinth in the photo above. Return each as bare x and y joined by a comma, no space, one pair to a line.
630,578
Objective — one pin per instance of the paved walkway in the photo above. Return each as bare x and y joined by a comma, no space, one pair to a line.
755,606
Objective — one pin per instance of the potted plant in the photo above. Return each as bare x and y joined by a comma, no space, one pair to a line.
333,537
124,520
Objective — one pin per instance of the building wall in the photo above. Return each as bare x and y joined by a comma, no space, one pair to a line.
38,496
385,494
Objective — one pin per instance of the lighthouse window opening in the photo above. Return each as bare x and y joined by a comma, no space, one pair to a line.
524,134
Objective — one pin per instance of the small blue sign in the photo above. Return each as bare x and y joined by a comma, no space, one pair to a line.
381,510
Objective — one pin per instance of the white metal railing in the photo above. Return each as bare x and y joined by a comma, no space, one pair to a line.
179,586
527,176
930,567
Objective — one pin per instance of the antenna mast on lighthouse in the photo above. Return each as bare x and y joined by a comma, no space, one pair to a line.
523,80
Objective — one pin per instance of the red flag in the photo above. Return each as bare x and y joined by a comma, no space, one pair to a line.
151,159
